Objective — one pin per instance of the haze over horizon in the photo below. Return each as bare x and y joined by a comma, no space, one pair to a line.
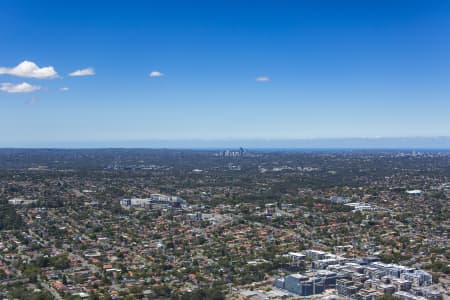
88,74
398,143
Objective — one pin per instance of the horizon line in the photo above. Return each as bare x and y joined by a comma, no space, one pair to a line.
418,142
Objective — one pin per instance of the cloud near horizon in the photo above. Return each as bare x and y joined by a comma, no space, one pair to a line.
18,88
262,79
156,74
31,70
83,72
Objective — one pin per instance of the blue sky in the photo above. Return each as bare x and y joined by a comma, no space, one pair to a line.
326,69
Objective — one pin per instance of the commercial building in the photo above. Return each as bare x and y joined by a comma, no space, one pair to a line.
301,284
155,201
363,279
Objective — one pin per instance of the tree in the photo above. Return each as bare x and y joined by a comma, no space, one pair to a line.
2,274
214,293
9,219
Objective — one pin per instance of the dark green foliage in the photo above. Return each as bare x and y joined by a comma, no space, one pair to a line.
439,266
213,293
59,262
395,257
162,291
2,274
23,294
9,219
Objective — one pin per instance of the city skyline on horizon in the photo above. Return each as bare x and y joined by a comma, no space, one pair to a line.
380,143
77,73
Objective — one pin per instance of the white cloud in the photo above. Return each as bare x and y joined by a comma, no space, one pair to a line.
262,79
64,89
30,69
83,72
18,88
156,74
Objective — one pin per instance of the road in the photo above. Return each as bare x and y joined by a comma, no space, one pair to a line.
49,289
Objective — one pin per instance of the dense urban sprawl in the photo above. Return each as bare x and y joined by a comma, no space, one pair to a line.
228,224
